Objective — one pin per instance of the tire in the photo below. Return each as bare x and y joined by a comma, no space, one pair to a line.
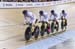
52,27
28,33
36,32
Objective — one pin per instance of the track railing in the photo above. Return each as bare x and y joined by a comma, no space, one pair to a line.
32,4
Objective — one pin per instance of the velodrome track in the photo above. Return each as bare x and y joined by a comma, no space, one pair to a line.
64,39
12,28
